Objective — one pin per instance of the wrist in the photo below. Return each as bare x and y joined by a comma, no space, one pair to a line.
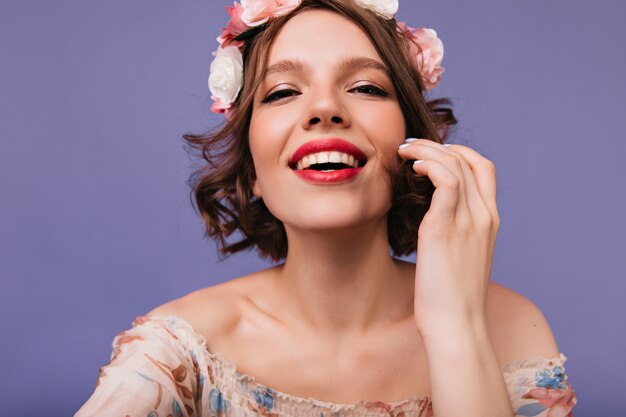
454,329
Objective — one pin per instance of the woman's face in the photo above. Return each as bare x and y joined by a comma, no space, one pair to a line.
325,99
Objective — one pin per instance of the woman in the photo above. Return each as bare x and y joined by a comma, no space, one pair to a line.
312,168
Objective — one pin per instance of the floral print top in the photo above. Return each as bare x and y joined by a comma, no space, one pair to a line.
162,368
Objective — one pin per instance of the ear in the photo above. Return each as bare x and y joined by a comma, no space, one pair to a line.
254,185
256,190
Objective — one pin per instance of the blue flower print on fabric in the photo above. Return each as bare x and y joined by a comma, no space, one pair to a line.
551,378
201,380
200,376
551,392
176,410
264,399
217,403
530,410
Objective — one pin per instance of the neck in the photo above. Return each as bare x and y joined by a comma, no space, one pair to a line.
344,281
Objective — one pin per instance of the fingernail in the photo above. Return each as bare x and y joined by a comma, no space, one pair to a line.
447,144
404,145
418,161
410,140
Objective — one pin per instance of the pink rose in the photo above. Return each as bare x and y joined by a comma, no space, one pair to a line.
234,28
285,6
227,39
257,12
429,60
219,107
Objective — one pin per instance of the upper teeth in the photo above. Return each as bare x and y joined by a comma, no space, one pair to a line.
324,157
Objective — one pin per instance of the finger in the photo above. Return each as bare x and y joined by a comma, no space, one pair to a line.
485,176
446,198
475,202
419,149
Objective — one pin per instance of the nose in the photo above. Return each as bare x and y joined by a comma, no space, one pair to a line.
326,111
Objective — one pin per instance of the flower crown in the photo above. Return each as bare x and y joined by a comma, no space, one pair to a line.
226,71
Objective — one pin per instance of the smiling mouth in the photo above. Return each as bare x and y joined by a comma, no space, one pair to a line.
328,161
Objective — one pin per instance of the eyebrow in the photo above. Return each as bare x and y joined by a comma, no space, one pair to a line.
349,64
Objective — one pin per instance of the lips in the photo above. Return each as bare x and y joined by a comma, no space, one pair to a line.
327,145
317,161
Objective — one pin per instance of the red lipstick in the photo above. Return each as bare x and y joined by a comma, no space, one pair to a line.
327,145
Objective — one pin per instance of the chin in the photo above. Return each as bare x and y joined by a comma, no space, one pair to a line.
332,217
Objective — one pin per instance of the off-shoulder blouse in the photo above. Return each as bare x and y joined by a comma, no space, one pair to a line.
161,367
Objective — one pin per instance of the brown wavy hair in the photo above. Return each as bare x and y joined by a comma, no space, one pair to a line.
222,185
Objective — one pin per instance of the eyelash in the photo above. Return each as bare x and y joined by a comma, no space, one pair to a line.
378,92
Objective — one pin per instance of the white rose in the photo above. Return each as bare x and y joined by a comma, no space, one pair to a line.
384,8
226,74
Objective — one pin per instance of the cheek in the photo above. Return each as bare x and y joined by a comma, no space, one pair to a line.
387,120
268,131
266,140
261,134
386,129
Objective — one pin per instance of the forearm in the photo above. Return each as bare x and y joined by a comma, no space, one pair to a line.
466,379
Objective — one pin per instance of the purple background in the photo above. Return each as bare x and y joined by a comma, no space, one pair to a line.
97,226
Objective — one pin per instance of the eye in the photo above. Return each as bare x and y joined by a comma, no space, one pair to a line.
278,95
371,90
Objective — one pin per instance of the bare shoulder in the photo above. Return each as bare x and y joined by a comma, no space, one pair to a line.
211,311
517,327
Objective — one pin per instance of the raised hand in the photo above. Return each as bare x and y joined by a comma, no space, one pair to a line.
456,238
